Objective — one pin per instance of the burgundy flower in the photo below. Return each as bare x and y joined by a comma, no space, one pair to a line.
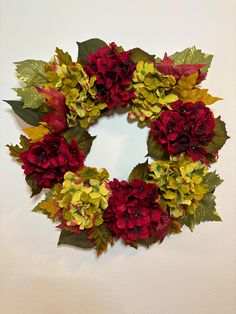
114,71
188,128
48,160
133,212
56,102
168,67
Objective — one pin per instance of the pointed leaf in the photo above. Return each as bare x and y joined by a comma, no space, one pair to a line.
31,72
212,180
87,47
83,138
206,210
154,149
219,138
16,150
27,115
63,57
139,172
138,54
193,56
102,238
30,97
79,240
33,185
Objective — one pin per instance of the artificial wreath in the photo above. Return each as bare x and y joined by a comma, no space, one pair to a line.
61,99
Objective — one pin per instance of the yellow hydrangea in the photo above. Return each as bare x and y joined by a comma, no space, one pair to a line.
81,198
153,91
79,90
180,181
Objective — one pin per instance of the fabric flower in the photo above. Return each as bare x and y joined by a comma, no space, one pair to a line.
48,160
188,128
113,70
56,102
168,67
133,212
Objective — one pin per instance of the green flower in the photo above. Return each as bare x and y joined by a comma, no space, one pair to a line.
153,91
180,181
79,90
80,199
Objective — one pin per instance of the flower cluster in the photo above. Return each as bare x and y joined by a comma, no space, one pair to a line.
186,128
133,213
48,160
62,98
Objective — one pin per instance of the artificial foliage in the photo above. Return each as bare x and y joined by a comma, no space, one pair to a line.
173,188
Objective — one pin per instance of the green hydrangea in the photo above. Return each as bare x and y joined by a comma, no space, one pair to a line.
79,90
181,184
153,91
80,199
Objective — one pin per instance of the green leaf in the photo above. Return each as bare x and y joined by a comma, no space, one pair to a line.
16,150
79,240
206,210
102,238
193,56
220,137
33,185
138,54
31,72
30,97
63,57
83,138
27,115
140,171
154,149
188,220
147,242
212,180
87,47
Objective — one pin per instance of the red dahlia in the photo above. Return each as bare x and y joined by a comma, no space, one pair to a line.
133,212
48,160
114,71
187,128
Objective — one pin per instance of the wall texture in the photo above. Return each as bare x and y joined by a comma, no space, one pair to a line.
187,274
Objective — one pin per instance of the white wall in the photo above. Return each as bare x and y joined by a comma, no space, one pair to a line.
193,273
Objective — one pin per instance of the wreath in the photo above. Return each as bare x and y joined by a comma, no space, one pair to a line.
174,188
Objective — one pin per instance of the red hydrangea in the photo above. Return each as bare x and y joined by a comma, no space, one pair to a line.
48,160
114,71
188,128
133,212
56,118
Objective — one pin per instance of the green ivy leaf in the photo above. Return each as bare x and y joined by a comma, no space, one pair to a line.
87,47
193,56
212,180
27,115
188,220
63,57
220,136
79,240
138,54
154,149
82,136
33,185
31,72
206,210
30,97
140,171
102,238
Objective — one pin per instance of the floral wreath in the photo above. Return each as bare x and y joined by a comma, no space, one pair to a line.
61,99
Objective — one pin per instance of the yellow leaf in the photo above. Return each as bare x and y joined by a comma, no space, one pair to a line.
37,133
50,206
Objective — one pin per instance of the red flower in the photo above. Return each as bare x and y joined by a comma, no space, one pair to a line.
48,160
56,101
187,128
167,67
114,71
133,212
